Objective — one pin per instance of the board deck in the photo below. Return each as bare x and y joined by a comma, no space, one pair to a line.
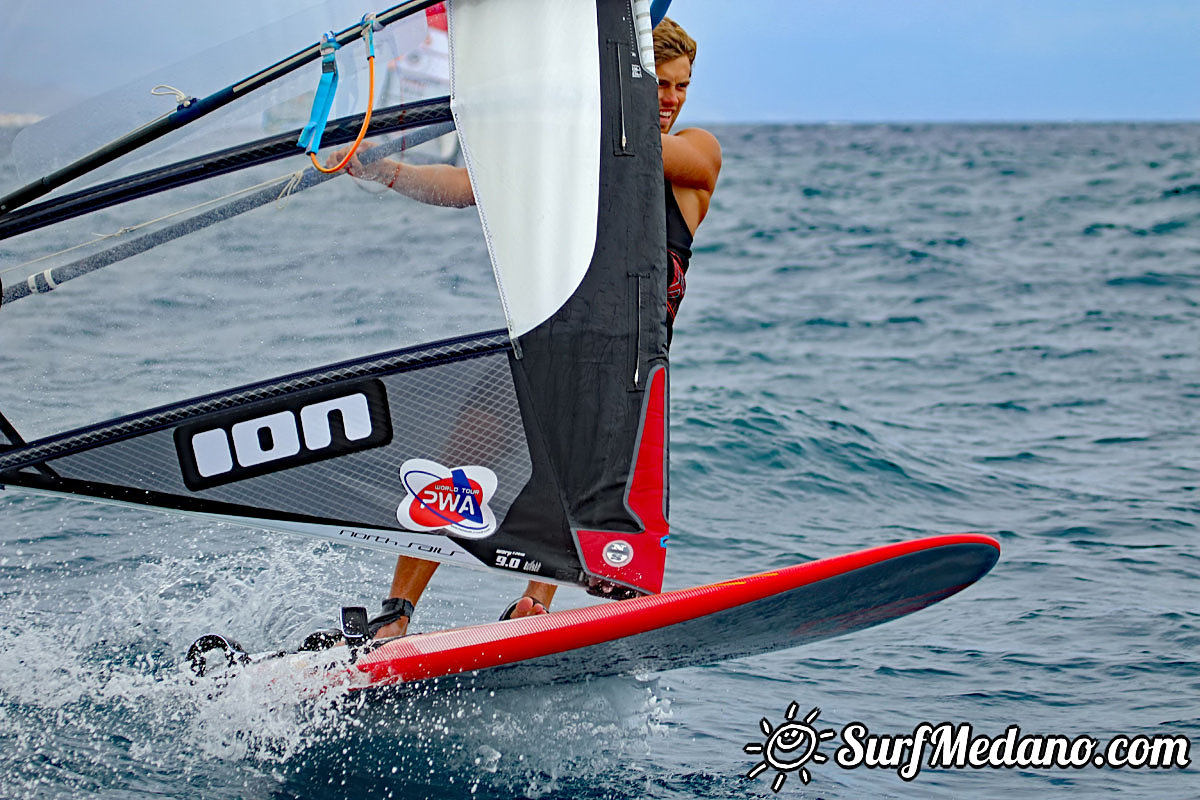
704,625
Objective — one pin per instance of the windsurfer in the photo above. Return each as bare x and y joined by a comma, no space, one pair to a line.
691,164
691,157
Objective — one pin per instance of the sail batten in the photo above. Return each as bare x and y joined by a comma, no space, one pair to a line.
211,165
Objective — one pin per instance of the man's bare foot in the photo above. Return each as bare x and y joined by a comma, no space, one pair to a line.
397,628
527,607
397,612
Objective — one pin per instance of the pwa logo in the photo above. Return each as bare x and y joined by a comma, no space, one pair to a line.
270,437
455,500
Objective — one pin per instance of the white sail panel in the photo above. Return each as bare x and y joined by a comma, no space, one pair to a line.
525,92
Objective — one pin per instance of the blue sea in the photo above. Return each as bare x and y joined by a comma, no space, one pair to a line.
890,331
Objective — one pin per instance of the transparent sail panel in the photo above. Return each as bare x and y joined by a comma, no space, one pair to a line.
256,273
410,65
336,272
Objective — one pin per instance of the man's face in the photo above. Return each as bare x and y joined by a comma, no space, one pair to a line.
673,79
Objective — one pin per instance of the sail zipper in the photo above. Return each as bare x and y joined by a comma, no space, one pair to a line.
637,348
620,133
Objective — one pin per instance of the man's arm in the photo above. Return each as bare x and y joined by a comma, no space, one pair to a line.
692,159
435,184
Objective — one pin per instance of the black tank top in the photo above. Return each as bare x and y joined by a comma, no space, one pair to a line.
679,237
679,255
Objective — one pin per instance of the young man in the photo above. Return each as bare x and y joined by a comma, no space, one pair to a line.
691,158
691,163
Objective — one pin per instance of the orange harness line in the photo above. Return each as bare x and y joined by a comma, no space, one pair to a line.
362,131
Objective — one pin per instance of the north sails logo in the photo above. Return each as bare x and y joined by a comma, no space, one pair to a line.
279,435
452,500
618,553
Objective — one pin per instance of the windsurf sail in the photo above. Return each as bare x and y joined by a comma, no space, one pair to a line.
530,438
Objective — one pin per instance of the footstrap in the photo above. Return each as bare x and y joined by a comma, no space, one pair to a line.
393,609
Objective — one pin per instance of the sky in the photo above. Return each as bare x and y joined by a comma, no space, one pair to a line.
946,60
807,61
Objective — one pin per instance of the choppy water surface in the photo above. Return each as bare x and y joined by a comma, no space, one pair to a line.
890,331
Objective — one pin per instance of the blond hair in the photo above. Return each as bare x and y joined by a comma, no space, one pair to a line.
671,42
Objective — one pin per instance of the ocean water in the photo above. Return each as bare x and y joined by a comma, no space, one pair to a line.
890,331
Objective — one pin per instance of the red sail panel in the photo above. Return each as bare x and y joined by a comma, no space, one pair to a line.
637,560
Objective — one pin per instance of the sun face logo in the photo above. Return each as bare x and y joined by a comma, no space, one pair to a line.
783,741
453,500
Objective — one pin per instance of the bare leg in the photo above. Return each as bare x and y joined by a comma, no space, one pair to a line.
408,582
412,575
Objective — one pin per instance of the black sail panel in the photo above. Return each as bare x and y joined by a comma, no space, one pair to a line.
375,452
589,368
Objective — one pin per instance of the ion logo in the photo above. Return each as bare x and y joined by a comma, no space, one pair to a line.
455,500
269,437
